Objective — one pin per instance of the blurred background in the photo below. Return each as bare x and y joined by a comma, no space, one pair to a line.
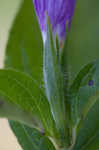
8,9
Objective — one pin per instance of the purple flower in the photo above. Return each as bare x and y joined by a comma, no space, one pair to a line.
59,12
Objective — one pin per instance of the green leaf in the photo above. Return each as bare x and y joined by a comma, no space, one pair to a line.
74,91
16,113
84,96
25,92
93,143
24,47
31,139
88,137
54,82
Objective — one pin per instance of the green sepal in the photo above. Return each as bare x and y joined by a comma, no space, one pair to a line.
54,85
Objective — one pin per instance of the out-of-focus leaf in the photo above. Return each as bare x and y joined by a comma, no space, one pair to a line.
88,138
22,90
30,139
93,143
24,47
83,44
84,94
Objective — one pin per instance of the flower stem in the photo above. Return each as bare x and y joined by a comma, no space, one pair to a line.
74,135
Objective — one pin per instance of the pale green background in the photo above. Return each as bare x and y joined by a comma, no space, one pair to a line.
8,9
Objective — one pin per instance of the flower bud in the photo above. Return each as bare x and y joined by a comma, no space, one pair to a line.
59,11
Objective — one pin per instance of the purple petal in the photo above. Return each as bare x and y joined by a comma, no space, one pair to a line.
59,12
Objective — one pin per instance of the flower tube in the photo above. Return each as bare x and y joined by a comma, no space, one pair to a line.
59,11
